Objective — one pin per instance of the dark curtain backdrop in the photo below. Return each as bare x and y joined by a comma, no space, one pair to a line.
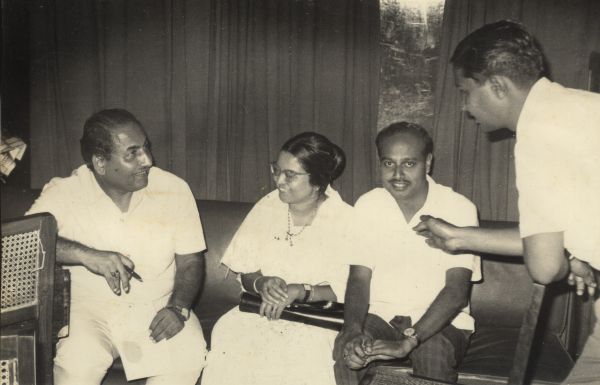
218,84
474,163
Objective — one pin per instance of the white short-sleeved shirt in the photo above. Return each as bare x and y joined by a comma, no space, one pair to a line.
318,252
557,159
407,273
162,220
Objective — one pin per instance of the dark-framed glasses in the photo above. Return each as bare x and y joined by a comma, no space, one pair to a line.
290,175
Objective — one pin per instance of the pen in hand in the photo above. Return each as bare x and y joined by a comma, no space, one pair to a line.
133,273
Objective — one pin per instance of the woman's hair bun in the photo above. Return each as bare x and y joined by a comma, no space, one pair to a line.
322,159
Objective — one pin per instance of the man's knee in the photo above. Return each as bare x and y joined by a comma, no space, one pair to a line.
344,375
81,362
436,346
338,349
435,358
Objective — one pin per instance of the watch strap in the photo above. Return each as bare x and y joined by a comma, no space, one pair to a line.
182,313
307,292
411,333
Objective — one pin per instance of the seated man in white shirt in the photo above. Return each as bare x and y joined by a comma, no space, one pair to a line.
119,217
405,299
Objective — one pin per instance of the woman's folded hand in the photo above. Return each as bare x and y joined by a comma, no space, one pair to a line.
273,310
272,290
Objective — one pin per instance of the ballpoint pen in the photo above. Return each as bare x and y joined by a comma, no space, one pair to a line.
133,273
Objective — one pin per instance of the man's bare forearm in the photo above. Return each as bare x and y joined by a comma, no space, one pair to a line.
448,303
72,253
188,279
505,241
356,302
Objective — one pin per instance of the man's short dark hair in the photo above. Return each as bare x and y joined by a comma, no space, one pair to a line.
97,136
405,128
502,48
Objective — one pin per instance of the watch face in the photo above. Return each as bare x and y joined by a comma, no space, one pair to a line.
409,332
182,311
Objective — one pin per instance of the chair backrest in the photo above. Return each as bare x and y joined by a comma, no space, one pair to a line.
221,291
507,310
526,334
28,261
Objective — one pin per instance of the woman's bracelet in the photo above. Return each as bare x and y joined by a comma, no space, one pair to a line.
254,284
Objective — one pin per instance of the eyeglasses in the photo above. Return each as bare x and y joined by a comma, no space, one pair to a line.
290,175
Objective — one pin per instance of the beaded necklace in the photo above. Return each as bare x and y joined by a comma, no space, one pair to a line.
289,235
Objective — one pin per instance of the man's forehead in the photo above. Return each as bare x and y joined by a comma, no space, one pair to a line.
407,140
130,135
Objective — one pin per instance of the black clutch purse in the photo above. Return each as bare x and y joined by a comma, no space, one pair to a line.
324,314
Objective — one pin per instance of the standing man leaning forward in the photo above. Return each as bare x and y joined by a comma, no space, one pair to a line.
498,69
418,296
117,213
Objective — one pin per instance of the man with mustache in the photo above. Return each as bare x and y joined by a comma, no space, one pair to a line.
117,213
404,299
499,69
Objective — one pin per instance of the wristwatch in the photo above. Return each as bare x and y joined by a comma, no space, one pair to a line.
183,313
307,292
411,333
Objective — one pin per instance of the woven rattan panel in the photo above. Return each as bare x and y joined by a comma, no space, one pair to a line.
8,372
399,378
19,270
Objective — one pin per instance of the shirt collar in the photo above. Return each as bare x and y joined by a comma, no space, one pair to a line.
540,89
431,194
94,193
431,191
91,190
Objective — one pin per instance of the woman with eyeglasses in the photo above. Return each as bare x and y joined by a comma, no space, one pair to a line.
290,247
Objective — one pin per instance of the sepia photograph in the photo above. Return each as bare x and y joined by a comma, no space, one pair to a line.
300,192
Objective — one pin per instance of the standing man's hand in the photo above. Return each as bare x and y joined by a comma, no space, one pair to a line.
582,276
111,266
439,233
166,323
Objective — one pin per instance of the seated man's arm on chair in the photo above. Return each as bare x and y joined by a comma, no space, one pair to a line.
56,198
545,257
101,262
350,341
448,303
188,279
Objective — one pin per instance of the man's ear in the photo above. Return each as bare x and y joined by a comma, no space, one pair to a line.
428,162
99,164
500,85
